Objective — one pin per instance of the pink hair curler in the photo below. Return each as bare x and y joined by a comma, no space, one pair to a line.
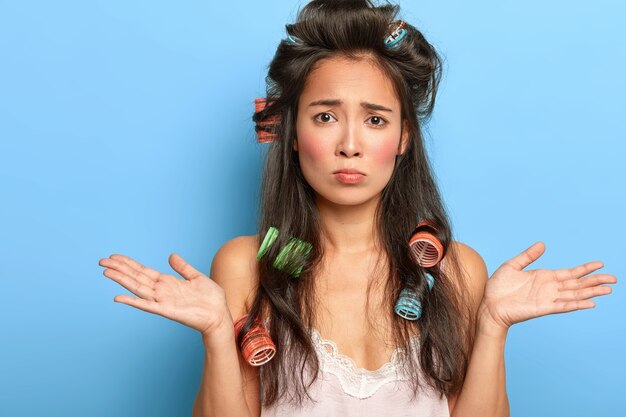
426,248
257,348
265,129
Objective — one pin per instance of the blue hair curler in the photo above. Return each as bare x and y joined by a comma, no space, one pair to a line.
430,280
396,36
292,40
408,306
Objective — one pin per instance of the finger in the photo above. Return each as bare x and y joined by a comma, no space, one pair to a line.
139,271
527,257
151,273
128,271
565,307
140,303
578,271
183,268
585,293
586,282
130,284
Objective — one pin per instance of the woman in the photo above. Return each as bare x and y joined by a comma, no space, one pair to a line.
347,173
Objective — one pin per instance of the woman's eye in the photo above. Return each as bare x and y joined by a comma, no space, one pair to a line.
324,117
378,121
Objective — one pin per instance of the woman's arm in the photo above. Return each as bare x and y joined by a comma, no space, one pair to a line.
484,390
230,386
221,390
511,296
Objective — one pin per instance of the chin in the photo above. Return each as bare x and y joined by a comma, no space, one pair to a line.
347,198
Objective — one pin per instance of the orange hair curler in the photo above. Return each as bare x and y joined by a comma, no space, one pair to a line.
426,248
265,129
257,347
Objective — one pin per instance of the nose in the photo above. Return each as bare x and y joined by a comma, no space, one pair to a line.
350,144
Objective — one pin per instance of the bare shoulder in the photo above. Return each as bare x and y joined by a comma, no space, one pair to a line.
474,270
234,268
469,258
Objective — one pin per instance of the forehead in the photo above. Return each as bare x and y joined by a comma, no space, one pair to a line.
345,78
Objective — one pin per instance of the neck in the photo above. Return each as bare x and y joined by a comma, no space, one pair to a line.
348,229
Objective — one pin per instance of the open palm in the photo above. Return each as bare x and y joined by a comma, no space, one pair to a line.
195,301
512,295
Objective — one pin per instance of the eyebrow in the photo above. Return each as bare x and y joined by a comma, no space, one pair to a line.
364,104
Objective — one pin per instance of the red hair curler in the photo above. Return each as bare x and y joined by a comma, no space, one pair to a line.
256,347
426,248
265,129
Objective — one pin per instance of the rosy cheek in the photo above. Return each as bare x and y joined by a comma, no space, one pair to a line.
311,148
385,150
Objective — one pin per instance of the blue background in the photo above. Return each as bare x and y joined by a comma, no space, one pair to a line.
125,127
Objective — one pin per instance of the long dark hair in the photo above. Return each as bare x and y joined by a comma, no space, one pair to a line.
356,29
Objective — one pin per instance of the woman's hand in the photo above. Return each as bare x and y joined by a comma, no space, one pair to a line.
512,295
195,301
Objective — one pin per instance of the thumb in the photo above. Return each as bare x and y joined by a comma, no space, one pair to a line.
527,257
183,268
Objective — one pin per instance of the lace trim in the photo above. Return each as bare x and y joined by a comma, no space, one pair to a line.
358,382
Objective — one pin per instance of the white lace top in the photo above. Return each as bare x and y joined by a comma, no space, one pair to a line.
343,389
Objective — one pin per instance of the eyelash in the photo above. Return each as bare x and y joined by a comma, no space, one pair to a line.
375,126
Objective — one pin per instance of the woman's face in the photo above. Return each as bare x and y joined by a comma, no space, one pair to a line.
348,130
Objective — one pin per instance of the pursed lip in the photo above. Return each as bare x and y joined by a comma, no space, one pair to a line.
348,171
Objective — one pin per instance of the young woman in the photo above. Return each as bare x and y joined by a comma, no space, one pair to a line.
347,173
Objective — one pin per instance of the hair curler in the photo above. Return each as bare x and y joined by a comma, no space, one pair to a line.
430,280
256,347
270,238
426,248
265,128
292,256
408,306
398,33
